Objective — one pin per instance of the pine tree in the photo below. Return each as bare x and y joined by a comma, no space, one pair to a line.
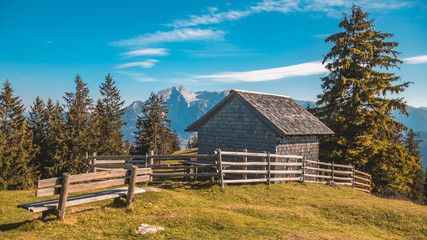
37,125
153,127
55,153
80,132
412,144
108,119
175,145
357,104
16,171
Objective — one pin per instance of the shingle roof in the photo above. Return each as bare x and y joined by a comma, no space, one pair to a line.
281,113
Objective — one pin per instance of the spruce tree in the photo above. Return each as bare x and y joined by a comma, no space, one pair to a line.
55,152
175,145
16,171
37,125
412,144
108,119
357,103
153,127
80,132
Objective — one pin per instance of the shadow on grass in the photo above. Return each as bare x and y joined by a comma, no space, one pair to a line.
11,226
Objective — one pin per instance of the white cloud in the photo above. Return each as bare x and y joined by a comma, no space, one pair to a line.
147,52
304,69
332,8
144,64
416,60
177,35
137,76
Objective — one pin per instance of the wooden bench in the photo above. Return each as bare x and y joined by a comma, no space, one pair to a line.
84,182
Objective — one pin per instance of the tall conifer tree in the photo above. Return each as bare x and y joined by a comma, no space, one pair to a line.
16,171
37,125
108,119
357,104
80,133
55,153
153,126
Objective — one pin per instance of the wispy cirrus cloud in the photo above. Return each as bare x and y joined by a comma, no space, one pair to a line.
137,76
416,60
304,69
147,52
177,35
332,8
143,64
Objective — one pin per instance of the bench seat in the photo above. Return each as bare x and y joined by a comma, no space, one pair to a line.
79,199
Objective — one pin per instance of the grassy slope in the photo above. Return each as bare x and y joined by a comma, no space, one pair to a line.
205,211
294,211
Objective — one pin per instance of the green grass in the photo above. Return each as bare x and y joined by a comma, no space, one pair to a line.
205,211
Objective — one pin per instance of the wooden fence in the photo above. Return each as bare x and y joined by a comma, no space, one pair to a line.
165,167
251,168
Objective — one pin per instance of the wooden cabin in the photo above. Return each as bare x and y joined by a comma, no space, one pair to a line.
260,122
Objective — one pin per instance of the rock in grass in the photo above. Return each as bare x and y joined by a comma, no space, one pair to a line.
145,228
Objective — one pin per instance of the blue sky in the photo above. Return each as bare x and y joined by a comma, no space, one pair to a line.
269,46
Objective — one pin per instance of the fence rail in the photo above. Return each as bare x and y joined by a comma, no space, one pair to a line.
266,168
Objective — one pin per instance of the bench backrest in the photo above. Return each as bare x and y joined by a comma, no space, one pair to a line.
52,186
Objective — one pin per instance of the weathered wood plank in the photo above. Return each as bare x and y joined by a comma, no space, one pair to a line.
286,171
110,165
111,161
144,178
80,199
319,169
228,153
179,157
319,163
246,171
118,157
246,180
362,173
318,176
362,179
362,184
343,172
49,182
185,175
260,164
343,178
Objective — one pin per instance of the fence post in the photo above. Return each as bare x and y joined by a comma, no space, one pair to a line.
131,188
64,195
87,162
269,168
151,162
332,174
94,161
151,159
303,169
146,160
221,174
352,175
245,160
265,167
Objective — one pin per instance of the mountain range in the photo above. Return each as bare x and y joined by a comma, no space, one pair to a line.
185,107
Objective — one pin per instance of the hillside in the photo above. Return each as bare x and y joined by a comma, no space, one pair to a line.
205,211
